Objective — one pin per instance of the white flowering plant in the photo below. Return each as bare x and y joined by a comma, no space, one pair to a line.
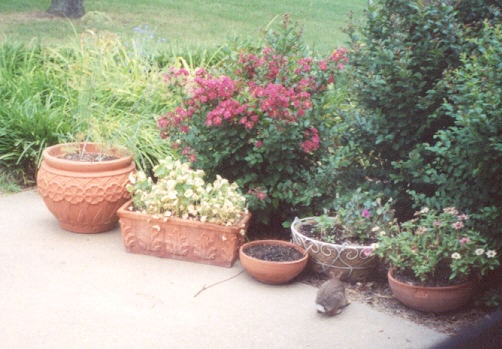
182,192
437,247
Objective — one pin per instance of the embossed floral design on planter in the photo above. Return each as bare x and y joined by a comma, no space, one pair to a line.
351,260
177,238
84,196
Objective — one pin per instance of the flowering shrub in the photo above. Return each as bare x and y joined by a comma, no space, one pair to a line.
361,216
438,247
263,121
182,192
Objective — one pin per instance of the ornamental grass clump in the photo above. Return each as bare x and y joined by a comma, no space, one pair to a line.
437,248
182,192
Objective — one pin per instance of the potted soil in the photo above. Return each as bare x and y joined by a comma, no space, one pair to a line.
84,184
181,217
435,260
273,261
344,243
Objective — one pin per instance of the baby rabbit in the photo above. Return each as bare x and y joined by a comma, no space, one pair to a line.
331,298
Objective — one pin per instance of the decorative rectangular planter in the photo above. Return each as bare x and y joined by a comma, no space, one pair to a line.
182,239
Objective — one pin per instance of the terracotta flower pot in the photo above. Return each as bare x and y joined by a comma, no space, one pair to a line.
182,239
350,262
84,196
272,272
433,299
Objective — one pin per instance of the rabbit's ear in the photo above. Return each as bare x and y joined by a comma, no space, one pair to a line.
335,273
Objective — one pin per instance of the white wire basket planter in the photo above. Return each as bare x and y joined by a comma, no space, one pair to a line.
348,261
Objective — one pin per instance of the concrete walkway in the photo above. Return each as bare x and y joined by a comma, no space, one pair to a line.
65,290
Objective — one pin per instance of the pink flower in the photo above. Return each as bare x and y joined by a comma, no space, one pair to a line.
217,121
437,223
464,240
259,144
323,65
366,213
367,251
312,142
463,217
184,128
457,225
163,122
185,151
181,72
258,193
192,158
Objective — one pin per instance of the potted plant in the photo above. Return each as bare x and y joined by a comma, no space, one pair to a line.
273,261
84,184
435,259
180,216
343,243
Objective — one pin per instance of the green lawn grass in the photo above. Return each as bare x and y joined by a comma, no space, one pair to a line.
182,22
187,26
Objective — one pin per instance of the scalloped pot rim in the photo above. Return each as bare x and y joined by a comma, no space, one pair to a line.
52,153
276,242
303,220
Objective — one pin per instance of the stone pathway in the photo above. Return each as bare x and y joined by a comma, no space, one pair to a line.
65,290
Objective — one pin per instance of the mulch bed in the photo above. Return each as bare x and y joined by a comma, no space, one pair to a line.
376,293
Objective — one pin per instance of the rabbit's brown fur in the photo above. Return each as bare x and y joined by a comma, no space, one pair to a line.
331,298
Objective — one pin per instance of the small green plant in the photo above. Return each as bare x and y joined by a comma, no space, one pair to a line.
359,216
9,183
181,192
438,247
323,225
364,214
491,298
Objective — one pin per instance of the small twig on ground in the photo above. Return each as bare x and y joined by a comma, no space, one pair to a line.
383,296
217,283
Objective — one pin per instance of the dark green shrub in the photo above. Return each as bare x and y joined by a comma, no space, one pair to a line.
397,65
400,63
466,170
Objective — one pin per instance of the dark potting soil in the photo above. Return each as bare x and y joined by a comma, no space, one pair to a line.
441,279
274,253
88,157
337,234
